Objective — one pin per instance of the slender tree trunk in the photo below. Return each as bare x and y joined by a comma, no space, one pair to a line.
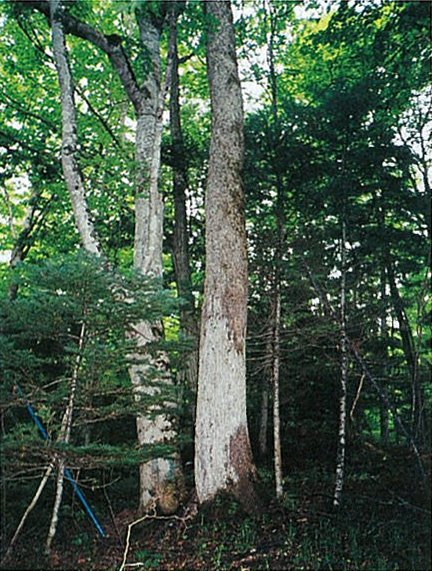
340,457
188,318
71,170
24,239
264,416
276,411
75,185
64,436
279,215
223,458
384,415
408,345
374,382
28,510
56,508
264,419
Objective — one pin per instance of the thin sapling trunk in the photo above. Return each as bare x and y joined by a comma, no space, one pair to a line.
64,436
340,458
276,407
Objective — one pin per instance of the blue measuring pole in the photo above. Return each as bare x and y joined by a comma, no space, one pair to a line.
66,471
84,502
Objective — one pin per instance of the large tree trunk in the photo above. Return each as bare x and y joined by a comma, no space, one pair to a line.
154,426
223,459
160,477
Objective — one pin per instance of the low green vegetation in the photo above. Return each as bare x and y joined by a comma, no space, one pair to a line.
377,530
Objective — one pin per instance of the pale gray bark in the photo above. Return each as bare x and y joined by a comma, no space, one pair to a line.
223,460
148,201
160,478
75,185
276,411
340,457
57,502
71,171
279,215
148,100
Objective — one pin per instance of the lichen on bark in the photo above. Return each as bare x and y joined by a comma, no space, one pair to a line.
223,459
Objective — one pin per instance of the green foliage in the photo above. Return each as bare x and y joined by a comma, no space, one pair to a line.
149,560
336,153
76,312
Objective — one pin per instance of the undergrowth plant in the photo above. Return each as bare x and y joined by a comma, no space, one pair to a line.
69,330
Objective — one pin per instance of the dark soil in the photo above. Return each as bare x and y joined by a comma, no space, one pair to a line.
383,524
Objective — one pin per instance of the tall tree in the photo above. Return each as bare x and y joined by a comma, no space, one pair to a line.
223,459
180,250
341,448
159,478
155,424
279,238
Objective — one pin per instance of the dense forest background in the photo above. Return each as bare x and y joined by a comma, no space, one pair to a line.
337,188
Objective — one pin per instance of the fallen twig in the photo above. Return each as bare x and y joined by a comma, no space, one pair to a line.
189,514
28,510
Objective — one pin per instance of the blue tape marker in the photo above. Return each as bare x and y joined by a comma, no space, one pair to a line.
66,471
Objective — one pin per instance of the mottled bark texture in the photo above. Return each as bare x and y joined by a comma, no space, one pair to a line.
340,455
160,478
276,410
71,171
280,239
223,460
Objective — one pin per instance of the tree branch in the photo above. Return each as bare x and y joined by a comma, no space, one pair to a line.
107,44
71,170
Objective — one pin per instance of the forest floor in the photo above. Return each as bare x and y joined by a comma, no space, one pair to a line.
384,524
